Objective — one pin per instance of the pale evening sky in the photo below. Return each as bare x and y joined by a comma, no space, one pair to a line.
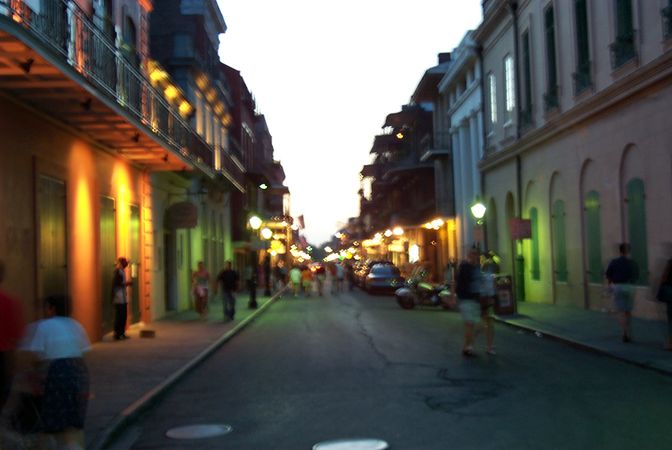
325,74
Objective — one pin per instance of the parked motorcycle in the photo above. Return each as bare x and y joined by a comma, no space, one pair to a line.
418,292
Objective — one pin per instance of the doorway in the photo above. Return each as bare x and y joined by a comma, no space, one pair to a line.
135,263
170,272
52,238
108,255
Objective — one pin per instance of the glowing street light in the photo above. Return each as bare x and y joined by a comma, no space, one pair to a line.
255,222
263,186
398,231
328,249
388,233
266,233
478,211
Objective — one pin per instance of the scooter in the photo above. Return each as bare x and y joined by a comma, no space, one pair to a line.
417,293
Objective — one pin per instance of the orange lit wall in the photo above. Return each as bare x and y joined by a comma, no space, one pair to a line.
83,229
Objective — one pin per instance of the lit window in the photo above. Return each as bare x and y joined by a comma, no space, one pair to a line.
493,98
509,88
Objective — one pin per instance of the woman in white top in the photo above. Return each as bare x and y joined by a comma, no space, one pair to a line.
60,343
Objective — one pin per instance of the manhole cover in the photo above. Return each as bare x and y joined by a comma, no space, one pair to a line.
352,444
198,431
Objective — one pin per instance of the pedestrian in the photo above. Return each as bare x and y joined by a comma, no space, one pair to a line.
664,295
200,285
228,281
320,276
489,267
251,281
340,276
350,275
120,298
467,288
57,344
279,275
622,272
295,278
306,280
11,331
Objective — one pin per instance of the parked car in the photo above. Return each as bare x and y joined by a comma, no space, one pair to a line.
383,278
363,271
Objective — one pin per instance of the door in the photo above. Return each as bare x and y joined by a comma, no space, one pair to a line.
170,272
135,263
52,240
108,255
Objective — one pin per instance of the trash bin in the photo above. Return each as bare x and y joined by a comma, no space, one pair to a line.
505,302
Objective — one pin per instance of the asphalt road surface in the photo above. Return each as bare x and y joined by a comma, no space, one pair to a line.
357,366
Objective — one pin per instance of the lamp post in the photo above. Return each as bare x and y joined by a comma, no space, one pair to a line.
478,210
255,223
267,234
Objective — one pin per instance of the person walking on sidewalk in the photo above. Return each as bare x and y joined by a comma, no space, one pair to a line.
621,273
11,331
58,343
228,280
295,278
468,290
665,295
200,285
120,299
489,267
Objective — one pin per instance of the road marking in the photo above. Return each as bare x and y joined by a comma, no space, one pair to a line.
199,431
352,444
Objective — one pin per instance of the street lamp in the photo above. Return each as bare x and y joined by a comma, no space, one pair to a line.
266,233
478,211
255,223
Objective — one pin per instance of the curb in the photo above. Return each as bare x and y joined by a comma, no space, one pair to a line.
138,407
582,346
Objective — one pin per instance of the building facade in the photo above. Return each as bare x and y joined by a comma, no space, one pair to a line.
586,156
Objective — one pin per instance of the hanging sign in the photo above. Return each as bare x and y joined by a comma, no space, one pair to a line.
520,228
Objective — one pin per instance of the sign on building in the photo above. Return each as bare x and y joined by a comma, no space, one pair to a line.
520,228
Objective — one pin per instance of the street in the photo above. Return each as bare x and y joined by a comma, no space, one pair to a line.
358,366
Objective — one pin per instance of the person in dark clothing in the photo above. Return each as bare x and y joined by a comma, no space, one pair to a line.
622,273
12,329
228,281
468,291
120,299
663,295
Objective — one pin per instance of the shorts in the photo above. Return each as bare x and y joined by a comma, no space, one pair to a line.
486,304
470,310
623,297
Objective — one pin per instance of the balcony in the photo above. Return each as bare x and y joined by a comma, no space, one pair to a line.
58,61
582,78
551,98
440,147
623,50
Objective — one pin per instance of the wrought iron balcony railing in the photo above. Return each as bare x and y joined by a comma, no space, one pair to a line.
582,78
67,32
623,50
551,99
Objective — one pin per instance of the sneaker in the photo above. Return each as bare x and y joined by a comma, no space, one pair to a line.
491,351
468,352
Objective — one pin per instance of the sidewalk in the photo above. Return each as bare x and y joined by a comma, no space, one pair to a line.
596,331
128,376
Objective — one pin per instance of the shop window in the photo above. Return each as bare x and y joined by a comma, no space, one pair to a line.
559,241
636,216
594,237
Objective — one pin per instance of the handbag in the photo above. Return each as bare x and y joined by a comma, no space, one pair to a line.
664,293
